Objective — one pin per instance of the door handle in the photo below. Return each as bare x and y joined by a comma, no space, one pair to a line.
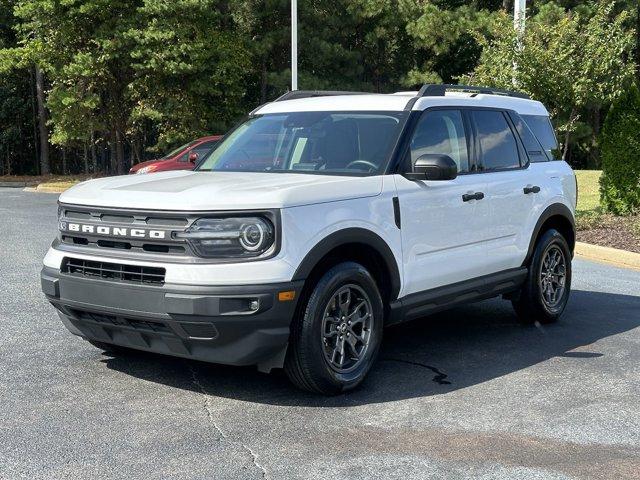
531,189
467,197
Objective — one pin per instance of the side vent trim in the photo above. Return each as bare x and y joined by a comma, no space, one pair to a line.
396,212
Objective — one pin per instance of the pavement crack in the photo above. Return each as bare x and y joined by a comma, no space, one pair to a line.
439,377
223,436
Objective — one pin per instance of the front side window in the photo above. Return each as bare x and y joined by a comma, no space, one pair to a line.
173,153
201,150
498,147
309,142
441,132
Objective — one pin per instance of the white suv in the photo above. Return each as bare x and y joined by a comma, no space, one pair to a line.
321,219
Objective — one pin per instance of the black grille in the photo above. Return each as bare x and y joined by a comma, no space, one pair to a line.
114,271
113,320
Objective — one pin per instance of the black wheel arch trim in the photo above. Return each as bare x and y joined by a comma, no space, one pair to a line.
553,210
344,237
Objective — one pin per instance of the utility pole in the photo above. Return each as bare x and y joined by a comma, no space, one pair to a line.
519,14
294,45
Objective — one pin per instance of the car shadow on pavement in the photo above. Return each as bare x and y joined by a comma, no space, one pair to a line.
432,356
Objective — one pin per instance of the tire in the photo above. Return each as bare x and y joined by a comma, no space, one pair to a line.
534,303
315,361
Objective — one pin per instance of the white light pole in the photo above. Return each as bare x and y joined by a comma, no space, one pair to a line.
519,14
294,45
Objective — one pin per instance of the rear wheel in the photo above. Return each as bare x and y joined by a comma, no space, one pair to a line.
335,339
545,293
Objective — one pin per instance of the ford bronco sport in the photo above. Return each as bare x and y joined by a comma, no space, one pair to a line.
321,219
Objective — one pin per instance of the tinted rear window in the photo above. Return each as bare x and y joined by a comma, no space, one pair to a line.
535,151
540,125
498,147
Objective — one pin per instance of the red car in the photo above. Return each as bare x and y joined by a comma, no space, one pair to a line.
182,158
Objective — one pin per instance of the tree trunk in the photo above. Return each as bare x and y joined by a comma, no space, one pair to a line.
135,151
119,153
507,5
567,137
94,157
34,121
263,82
595,150
85,157
112,153
45,165
64,161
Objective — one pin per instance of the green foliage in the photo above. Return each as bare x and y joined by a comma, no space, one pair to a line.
443,36
130,77
620,181
189,73
17,143
572,63
16,132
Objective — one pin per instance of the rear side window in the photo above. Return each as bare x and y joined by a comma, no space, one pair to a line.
498,146
535,151
541,127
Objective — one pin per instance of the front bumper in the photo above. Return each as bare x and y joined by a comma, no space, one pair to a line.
212,324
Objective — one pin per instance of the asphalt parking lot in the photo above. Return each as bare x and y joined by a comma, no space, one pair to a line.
464,394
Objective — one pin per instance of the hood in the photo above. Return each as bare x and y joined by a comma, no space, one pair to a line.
187,190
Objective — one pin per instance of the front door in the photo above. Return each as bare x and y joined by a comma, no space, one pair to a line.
444,223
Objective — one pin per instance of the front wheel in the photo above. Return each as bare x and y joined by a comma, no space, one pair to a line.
545,293
336,338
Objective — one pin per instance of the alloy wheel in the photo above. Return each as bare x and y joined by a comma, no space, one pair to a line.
553,275
347,323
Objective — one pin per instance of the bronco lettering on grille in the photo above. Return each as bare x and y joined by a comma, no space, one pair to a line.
112,231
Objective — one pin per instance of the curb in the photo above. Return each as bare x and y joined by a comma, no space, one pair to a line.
43,188
614,256
16,184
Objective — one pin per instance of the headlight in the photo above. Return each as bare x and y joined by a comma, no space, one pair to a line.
149,169
229,237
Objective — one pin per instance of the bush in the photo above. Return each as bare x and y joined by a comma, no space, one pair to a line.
620,144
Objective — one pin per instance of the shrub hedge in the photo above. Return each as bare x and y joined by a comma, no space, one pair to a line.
620,150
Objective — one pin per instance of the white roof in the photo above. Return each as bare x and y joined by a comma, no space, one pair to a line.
398,102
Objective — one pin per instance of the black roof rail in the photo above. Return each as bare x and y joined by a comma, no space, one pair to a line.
438,90
295,94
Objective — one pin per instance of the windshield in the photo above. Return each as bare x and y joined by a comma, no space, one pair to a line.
173,153
309,142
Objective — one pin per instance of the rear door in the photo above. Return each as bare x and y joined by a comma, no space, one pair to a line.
443,230
513,189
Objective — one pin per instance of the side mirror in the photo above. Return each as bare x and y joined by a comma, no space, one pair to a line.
193,156
433,166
